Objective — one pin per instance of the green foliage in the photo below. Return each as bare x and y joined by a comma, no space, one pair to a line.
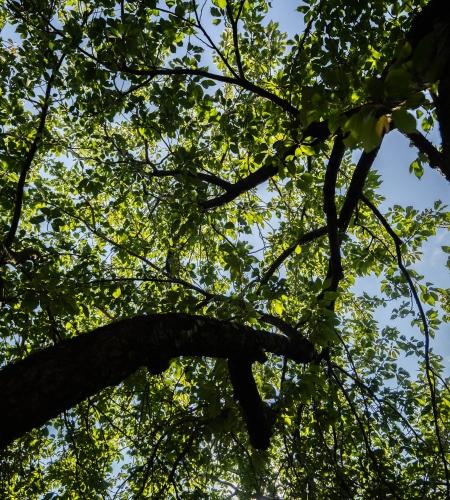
150,113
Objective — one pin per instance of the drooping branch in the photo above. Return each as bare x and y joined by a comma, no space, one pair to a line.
360,422
50,381
428,369
358,382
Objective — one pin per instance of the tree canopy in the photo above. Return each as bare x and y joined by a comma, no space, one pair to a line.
188,203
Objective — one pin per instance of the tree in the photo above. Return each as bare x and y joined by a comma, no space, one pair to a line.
188,198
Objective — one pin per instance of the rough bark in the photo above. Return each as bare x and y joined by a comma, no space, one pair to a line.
50,381
258,417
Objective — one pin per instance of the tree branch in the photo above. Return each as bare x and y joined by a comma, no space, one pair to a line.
252,180
442,111
302,240
435,157
428,369
380,401
211,42
234,29
202,176
356,186
50,381
329,207
29,157
365,434
257,415
240,82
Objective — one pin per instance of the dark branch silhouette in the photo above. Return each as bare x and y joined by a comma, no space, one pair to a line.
329,207
301,240
258,417
50,381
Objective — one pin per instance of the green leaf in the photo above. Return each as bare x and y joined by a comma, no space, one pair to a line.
404,121
277,307
363,126
416,168
304,149
398,82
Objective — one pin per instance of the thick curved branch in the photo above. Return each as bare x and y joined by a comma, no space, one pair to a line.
252,180
48,382
335,225
329,207
356,186
287,329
